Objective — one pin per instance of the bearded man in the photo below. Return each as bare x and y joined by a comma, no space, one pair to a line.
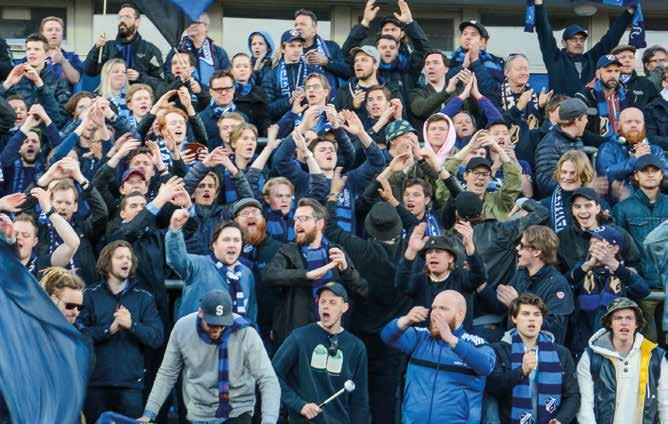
459,360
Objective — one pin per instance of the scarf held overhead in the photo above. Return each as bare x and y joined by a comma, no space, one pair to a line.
636,37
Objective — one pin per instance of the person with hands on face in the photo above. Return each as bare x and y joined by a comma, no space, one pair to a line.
122,321
534,377
622,374
316,360
461,361
36,82
302,266
143,59
536,273
439,255
182,74
65,64
430,98
316,94
599,280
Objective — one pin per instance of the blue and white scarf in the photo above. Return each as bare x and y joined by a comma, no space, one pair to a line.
20,180
242,89
224,407
548,380
233,279
286,84
205,66
322,125
488,61
280,227
602,106
219,111
432,230
400,64
316,258
558,219
345,217
531,113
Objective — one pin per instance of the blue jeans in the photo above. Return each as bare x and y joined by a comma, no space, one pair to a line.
128,402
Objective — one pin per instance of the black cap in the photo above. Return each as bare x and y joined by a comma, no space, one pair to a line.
572,30
468,205
383,222
574,108
247,201
217,308
607,60
648,160
475,24
391,20
440,243
335,288
478,162
291,35
588,193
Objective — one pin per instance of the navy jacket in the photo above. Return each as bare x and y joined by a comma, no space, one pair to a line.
120,356
614,161
656,122
563,75
549,150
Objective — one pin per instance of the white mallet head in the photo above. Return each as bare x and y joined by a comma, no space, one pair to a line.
349,385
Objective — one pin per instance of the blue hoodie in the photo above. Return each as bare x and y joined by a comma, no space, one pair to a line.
267,58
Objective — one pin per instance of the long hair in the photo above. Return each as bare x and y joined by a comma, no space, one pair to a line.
56,279
105,77
103,266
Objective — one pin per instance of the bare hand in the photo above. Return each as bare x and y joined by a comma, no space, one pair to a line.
529,362
132,74
318,273
338,182
6,226
642,149
370,12
465,229
385,190
544,97
310,411
101,39
337,255
178,219
12,202
417,240
358,98
524,99
123,317
506,294
405,16
353,123
42,197
415,315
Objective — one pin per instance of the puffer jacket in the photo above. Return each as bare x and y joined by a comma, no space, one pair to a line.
610,398
549,150
443,385
614,160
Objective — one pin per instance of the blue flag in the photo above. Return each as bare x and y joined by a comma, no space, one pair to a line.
637,36
44,360
193,8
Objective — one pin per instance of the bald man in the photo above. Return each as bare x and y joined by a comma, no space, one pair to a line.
447,368
616,158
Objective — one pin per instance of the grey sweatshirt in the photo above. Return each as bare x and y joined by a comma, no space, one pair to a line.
248,364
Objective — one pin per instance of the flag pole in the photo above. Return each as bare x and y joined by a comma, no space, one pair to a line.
104,13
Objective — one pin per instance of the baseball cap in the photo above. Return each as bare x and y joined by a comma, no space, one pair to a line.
574,108
398,128
572,30
439,243
217,308
475,24
391,20
335,288
609,234
588,193
248,201
130,172
607,60
623,303
468,205
648,160
623,48
370,51
478,162
291,35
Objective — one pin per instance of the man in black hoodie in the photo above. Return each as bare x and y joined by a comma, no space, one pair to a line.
122,321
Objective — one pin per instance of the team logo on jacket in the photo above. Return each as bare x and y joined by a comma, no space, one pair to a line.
561,295
551,405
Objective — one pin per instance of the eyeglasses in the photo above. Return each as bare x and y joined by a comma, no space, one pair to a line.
483,174
250,212
662,60
333,348
69,305
222,89
126,18
304,218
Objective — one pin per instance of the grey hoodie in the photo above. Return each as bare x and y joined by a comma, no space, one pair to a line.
248,363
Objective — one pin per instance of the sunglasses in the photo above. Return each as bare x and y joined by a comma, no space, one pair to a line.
333,348
70,306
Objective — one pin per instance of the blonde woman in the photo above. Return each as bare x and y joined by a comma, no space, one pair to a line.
114,84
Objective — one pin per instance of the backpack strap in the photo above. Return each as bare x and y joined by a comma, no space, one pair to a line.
595,363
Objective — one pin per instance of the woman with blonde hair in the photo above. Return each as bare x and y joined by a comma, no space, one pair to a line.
114,84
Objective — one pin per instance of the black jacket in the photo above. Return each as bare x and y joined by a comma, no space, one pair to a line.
6,63
295,308
641,89
563,75
376,262
119,357
549,150
254,106
656,122
147,58
504,378
551,286
596,128
148,245
7,117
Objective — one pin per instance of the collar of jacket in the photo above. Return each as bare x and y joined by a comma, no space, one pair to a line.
136,39
127,288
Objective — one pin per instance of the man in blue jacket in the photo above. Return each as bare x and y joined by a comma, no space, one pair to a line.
442,353
122,321
571,68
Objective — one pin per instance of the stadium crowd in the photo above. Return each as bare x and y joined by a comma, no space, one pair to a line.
424,234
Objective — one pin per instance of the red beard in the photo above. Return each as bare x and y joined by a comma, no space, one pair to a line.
633,138
256,236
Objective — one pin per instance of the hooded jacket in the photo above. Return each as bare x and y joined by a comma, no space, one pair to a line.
617,389
504,378
446,148
443,384
266,67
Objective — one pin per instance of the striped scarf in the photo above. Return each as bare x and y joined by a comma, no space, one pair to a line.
233,279
219,111
280,227
224,407
547,377
400,64
244,89
249,256
488,61
531,113
432,230
599,288
25,175
322,125
55,240
558,220
609,126
344,210
285,85
316,258
205,63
